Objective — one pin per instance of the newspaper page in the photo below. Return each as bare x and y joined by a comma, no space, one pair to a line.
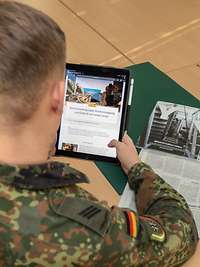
171,146
181,173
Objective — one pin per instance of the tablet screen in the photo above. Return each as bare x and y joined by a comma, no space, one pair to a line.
93,110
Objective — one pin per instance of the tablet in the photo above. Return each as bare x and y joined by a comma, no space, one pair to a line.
94,112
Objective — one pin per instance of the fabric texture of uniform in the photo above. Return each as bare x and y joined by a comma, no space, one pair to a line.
47,220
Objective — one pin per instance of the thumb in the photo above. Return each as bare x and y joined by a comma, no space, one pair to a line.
126,139
113,143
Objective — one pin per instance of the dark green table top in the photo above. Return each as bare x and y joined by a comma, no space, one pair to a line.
150,86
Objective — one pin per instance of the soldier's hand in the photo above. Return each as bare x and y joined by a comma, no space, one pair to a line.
126,152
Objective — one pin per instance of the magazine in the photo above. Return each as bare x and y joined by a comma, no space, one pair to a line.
171,146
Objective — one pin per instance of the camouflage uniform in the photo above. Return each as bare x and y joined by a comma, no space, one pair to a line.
46,220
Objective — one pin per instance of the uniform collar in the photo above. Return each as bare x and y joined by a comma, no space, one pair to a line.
41,176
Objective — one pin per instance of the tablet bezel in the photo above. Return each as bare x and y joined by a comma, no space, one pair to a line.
104,72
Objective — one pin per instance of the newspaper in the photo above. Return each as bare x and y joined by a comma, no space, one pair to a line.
171,146
181,173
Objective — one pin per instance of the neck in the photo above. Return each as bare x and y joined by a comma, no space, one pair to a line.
24,147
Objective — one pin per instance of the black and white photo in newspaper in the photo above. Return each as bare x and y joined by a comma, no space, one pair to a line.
173,128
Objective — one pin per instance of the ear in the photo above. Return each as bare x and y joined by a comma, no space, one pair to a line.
57,97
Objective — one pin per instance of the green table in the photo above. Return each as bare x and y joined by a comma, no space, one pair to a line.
150,86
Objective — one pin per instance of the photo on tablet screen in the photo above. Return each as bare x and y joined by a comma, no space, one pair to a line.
94,110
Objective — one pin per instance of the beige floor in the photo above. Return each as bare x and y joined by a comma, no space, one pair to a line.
125,32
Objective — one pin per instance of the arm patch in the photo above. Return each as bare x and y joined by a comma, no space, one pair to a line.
154,228
88,213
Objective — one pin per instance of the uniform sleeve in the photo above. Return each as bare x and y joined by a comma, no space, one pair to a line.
2,255
162,233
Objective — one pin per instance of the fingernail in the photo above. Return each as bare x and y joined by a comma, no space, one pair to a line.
109,143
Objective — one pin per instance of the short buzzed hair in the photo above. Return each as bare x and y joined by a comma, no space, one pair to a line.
32,47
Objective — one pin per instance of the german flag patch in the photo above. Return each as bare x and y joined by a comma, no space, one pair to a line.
132,224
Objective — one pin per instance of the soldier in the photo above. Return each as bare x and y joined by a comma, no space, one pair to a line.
46,219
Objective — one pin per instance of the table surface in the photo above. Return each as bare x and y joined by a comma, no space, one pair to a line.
101,189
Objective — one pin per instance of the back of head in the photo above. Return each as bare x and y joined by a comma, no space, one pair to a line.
32,49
